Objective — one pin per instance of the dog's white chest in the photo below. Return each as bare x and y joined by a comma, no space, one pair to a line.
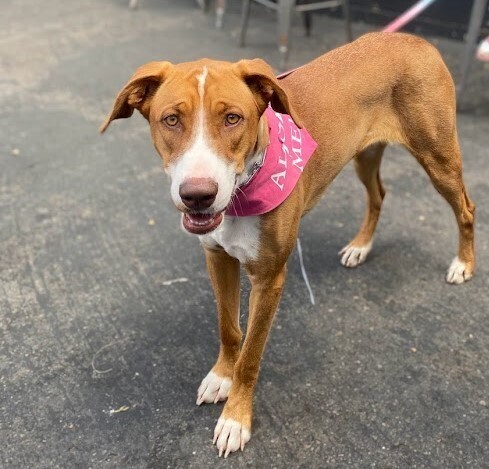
238,236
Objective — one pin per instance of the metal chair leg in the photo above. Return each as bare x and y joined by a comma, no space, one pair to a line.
204,5
347,16
245,16
220,9
476,18
307,20
285,8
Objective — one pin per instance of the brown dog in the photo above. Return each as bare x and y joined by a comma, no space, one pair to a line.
208,123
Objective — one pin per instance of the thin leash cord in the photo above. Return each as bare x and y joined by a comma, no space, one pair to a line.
304,273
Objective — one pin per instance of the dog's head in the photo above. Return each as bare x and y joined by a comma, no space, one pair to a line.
206,123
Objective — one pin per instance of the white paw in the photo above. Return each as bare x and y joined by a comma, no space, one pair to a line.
351,256
458,272
213,389
229,436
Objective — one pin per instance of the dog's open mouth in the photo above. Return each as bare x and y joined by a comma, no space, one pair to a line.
201,223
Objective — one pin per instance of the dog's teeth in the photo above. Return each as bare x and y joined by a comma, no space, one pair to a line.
197,222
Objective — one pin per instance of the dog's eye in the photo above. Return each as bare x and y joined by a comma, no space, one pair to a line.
171,120
232,119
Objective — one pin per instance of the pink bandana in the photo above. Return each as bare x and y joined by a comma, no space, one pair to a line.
274,178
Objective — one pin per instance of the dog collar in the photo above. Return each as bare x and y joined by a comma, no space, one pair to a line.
274,177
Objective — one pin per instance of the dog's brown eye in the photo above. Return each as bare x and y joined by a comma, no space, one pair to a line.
171,120
232,119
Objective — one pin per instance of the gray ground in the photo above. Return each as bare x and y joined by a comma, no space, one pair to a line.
389,369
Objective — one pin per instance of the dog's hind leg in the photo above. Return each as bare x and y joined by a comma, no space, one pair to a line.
367,166
442,161
425,106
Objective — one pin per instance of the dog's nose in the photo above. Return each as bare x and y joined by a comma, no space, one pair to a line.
198,193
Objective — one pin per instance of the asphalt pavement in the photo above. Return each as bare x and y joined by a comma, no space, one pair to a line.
107,319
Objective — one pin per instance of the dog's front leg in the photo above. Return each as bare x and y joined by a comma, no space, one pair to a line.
233,427
224,273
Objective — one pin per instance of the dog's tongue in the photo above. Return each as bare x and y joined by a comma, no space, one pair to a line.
201,223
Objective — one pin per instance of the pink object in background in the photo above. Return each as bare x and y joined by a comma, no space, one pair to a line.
483,50
407,16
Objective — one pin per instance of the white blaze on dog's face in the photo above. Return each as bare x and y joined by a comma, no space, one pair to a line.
200,160
204,134
206,123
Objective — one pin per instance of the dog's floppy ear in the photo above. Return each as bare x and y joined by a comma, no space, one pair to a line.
259,76
138,92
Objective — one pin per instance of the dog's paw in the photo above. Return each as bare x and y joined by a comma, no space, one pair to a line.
229,436
351,256
213,389
458,272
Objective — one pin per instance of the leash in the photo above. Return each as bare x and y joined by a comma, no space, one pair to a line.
393,26
304,273
407,16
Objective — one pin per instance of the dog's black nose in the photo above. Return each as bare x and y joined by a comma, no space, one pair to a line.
198,193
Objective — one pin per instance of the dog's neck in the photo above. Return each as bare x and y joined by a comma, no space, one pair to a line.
255,159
